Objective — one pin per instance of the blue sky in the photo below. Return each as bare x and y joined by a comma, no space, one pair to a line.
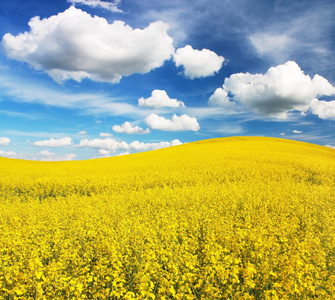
83,79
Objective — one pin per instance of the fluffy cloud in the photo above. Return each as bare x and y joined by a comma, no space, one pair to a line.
158,99
220,98
66,141
112,6
48,156
281,89
128,128
10,154
140,146
324,109
4,141
108,143
177,123
73,44
198,63
104,152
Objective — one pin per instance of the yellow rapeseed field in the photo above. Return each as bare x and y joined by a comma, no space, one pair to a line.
231,218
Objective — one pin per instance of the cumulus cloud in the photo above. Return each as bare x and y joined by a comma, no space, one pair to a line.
10,154
66,141
75,45
281,89
49,156
4,141
198,63
108,144
104,152
220,98
123,153
177,123
140,146
112,6
323,109
158,99
128,128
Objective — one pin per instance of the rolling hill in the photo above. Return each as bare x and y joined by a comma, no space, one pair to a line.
229,218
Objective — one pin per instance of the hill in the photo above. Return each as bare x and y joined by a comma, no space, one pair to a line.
230,218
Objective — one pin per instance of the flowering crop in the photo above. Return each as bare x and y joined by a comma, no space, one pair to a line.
231,218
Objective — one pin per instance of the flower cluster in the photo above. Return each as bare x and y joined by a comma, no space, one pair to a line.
233,218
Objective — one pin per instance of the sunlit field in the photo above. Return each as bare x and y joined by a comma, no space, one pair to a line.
231,218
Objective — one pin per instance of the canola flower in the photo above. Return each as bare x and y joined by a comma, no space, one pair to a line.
231,218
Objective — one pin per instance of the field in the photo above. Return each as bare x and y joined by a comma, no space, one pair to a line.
231,218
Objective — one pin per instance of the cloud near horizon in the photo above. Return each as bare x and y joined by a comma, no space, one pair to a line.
75,45
108,144
281,89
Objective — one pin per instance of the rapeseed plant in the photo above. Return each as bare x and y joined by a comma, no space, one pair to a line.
232,218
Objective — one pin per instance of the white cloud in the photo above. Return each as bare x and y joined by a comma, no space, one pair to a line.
43,156
177,123
323,109
198,63
281,89
49,156
82,132
105,134
75,45
108,144
271,44
104,152
220,98
123,153
66,141
140,146
128,128
10,154
158,99
297,131
26,90
330,146
46,153
4,141
112,6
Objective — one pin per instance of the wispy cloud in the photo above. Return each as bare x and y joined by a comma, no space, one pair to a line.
28,91
112,6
